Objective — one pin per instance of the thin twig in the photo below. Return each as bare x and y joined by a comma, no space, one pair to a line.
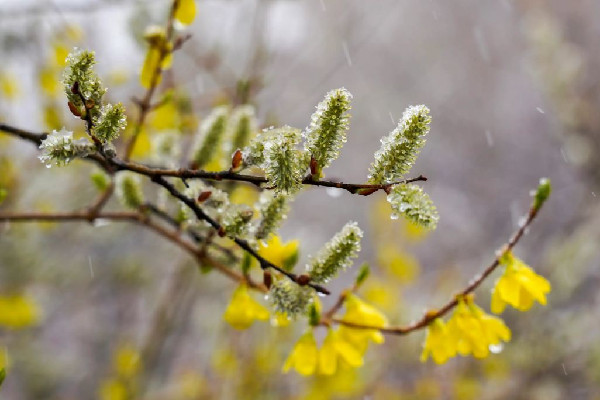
429,316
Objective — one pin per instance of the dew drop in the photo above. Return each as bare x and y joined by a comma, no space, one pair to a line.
496,348
333,192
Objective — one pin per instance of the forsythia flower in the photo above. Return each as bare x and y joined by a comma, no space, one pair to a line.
157,58
474,331
18,311
281,254
438,343
243,310
126,361
519,286
113,389
304,356
336,347
186,11
359,312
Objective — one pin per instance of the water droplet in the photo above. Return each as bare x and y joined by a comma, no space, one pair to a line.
333,192
496,348
394,216
539,109
321,294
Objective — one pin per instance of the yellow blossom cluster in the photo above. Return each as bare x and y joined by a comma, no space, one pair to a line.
343,347
470,331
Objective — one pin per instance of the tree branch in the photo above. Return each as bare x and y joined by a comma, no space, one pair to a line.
429,316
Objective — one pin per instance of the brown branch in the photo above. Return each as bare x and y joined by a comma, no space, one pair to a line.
145,104
184,173
201,215
136,217
429,316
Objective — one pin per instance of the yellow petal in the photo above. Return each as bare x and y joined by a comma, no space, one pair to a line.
186,11
304,356
328,355
149,69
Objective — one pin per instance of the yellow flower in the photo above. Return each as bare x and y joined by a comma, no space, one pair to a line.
113,389
474,331
9,86
153,65
519,286
186,11
336,347
126,361
359,312
304,356
281,254
18,311
438,343
243,310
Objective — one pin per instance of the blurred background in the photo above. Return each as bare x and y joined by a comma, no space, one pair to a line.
513,95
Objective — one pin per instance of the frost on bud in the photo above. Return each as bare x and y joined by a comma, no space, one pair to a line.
79,78
273,210
253,154
326,133
541,194
337,254
129,190
411,201
283,163
166,148
243,125
59,148
400,148
290,298
110,122
236,219
210,136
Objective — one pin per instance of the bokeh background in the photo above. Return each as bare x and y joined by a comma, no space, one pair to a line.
514,95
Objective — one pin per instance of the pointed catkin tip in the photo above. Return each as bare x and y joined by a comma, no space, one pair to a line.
542,193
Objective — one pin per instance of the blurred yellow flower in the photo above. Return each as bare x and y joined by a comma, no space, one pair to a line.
126,361
359,312
403,265
336,347
243,310
9,86
60,54
438,343
281,254
49,81
519,286
153,64
304,356
18,311
474,331
186,11
113,389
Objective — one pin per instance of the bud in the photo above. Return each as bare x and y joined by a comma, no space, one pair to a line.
411,201
289,298
326,133
363,274
541,194
337,254
400,148
203,196
267,279
129,190
236,160
74,110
